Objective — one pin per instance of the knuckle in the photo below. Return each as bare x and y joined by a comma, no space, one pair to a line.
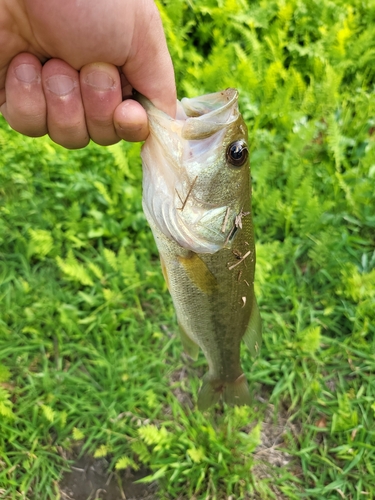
100,121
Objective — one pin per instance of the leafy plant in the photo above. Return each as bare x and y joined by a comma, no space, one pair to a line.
199,457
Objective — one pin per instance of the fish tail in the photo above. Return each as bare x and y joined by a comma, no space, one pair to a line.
237,393
234,393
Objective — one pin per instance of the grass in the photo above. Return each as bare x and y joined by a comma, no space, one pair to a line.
89,350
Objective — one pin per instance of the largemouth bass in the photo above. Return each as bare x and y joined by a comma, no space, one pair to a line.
197,200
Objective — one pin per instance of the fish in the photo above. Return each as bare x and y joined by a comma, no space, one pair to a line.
197,201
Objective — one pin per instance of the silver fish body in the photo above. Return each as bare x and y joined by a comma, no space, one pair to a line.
197,200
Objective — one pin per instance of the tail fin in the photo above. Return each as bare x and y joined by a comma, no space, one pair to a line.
234,393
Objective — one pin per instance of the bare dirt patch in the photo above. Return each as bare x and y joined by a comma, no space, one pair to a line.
89,479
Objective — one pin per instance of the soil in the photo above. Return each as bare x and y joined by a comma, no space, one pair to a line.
89,480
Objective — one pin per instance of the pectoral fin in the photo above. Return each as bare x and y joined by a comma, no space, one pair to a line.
198,273
253,334
190,347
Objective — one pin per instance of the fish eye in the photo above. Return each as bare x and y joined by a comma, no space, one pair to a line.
237,153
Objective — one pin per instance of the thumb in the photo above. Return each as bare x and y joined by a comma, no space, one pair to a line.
149,67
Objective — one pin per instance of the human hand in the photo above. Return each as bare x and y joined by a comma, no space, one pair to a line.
51,80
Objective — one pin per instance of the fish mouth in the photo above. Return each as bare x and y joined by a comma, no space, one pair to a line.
197,117
213,104
206,115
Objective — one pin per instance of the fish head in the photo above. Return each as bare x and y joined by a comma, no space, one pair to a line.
196,170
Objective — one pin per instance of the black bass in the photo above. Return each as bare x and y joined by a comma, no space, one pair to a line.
197,200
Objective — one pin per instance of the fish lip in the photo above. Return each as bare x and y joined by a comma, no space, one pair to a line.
198,117
229,96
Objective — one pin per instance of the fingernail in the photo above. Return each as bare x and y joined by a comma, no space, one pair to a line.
26,73
100,80
60,85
